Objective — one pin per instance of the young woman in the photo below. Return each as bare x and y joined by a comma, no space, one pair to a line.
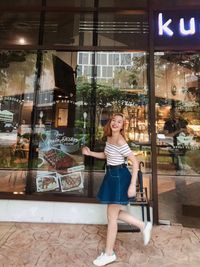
118,185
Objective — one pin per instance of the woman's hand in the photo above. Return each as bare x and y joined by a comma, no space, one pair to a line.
99,155
86,151
132,190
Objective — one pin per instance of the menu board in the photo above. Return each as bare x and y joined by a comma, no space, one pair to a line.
62,167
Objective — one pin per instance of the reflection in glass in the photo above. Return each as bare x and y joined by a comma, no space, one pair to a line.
21,29
177,92
127,29
16,104
121,87
62,127
67,29
63,108
178,135
120,84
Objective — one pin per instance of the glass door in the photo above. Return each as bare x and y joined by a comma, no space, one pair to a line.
177,83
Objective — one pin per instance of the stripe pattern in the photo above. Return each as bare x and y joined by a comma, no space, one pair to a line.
116,155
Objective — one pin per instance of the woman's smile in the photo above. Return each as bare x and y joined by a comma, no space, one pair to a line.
117,123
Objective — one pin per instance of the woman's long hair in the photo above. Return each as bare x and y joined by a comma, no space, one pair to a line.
107,129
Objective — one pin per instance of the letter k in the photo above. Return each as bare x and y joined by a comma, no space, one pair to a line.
163,27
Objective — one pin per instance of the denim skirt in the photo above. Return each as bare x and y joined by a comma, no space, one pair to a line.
114,188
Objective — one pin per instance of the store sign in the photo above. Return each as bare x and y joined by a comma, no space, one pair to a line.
174,28
164,26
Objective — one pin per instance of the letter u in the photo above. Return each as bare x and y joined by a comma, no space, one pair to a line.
191,29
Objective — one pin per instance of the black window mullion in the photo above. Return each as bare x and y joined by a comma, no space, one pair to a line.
33,149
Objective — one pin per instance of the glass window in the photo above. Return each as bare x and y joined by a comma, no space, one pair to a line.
99,71
68,29
84,58
19,28
114,59
79,70
61,128
123,30
17,76
45,124
119,91
123,91
126,59
178,120
107,72
101,59
87,71
178,135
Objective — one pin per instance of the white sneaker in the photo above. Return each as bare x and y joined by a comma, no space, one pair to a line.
147,233
104,259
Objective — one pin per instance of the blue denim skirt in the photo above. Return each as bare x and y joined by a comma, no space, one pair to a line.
114,188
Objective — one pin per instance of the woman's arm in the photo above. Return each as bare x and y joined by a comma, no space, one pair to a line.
99,155
135,168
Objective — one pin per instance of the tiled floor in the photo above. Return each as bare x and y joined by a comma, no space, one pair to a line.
64,245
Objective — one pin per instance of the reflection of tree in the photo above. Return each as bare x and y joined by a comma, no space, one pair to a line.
83,91
185,63
3,81
125,78
190,62
15,67
133,76
107,97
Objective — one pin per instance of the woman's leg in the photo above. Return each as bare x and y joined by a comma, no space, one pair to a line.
144,228
128,218
112,215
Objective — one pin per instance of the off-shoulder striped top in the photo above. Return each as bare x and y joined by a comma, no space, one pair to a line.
116,155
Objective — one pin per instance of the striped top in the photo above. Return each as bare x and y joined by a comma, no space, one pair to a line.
115,154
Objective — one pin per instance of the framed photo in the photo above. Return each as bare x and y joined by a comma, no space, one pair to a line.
71,181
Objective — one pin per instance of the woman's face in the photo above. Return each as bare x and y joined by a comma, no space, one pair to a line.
117,123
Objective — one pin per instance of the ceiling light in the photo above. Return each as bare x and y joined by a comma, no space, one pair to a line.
22,41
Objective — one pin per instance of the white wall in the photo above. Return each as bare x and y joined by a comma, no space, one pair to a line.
55,212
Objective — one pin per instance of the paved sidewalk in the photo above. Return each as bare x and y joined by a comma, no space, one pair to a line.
65,245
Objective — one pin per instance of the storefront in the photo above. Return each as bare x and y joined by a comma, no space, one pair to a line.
65,67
